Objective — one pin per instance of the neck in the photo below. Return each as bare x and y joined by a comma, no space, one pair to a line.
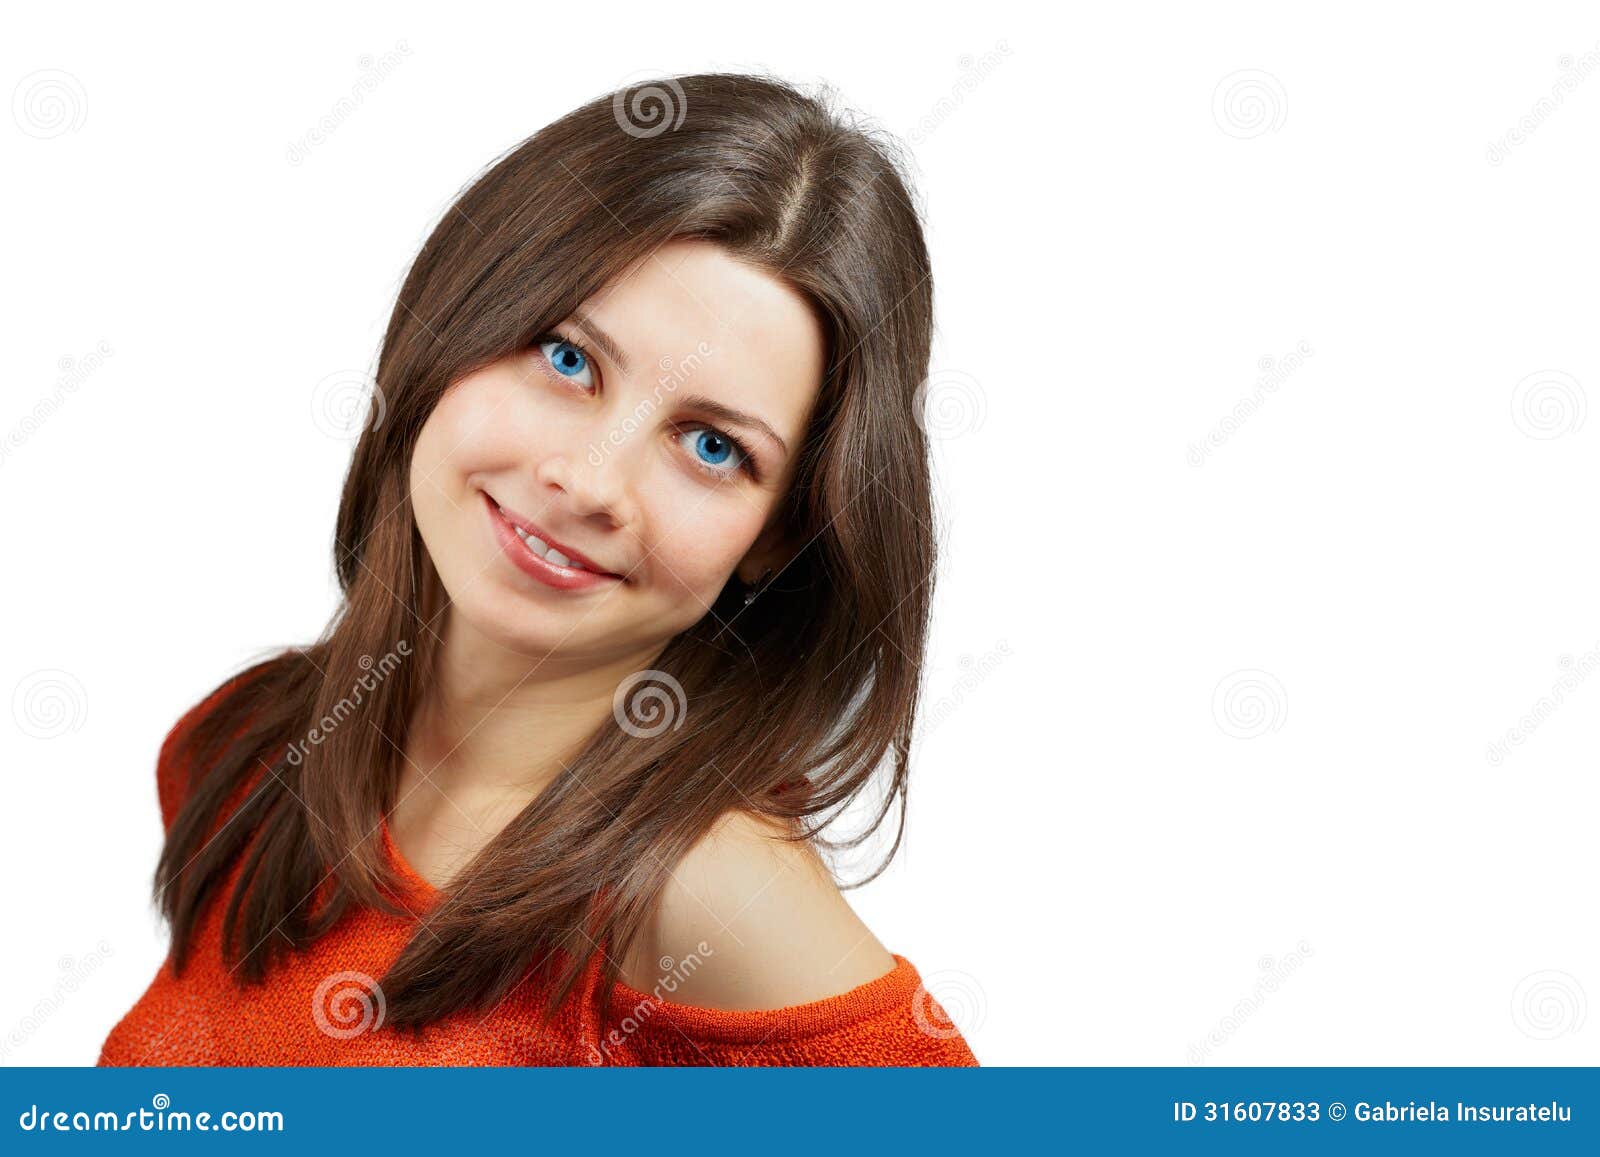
495,726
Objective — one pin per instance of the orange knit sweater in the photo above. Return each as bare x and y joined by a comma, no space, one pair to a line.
324,1006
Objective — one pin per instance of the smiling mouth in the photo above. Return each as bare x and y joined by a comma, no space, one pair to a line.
543,549
565,562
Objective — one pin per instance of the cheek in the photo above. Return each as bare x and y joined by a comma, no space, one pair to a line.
460,437
698,554
471,428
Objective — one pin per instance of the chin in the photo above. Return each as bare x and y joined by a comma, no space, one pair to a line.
520,624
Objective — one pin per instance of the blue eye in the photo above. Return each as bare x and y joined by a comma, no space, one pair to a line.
712,449
566,359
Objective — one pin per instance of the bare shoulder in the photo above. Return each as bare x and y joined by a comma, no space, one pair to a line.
762,919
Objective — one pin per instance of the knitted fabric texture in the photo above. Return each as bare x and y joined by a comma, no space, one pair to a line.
325,1006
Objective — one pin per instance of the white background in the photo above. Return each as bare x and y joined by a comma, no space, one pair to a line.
1235,720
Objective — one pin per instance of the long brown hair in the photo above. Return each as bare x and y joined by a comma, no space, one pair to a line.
817,678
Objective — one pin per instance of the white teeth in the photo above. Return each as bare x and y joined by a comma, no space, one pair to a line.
544,551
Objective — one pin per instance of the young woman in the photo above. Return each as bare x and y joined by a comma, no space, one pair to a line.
636,560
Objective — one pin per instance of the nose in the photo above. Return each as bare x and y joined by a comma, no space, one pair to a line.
595,485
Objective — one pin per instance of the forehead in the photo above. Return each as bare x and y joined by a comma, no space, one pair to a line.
765,345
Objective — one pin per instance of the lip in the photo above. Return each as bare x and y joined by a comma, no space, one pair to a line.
563,578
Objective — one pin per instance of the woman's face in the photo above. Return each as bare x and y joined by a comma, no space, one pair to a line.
657,453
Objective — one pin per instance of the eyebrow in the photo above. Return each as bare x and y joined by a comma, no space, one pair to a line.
719,410
601,338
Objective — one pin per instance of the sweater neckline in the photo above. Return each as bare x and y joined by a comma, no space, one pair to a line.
414,887
899,986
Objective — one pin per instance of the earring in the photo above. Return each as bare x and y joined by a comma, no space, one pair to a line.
756,587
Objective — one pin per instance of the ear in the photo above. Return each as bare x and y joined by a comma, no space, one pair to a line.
769,552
